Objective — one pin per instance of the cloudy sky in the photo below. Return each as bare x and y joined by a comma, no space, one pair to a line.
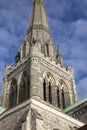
68,25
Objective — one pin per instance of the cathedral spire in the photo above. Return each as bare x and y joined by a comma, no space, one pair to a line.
38,16
35,74
38,22
38,30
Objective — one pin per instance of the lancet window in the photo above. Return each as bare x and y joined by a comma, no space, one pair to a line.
13,94
44,89
47,87
58,97
63,95
24,88
50,93
63,99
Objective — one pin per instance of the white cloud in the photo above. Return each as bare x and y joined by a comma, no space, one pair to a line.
80,30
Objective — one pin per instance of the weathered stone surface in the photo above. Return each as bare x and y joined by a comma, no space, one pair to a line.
79,112
37,63
38,73
34,115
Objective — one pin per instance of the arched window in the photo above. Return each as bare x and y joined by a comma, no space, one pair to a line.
44,90
63,99
13,94
58,97
24,88
63,94
49,93
48,84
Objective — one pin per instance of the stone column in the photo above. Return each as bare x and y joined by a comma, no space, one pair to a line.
36,84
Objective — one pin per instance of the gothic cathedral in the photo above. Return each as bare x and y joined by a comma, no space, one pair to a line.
38,87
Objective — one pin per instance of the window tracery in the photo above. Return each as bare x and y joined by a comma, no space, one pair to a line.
63,95
48,82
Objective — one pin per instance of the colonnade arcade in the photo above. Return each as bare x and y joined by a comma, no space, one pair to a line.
56,93
19,93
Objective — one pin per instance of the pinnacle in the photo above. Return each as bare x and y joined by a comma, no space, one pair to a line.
59,52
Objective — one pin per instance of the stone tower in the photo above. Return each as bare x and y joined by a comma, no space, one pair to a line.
38,71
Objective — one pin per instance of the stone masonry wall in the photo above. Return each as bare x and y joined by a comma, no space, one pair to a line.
50,121
12,119
34,115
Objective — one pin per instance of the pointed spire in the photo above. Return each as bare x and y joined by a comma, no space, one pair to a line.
38,22
38,16
59,56
38,30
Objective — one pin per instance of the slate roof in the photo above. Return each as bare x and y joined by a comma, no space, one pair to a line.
78,103
2,109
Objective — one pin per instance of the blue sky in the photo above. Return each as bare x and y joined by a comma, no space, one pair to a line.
68,25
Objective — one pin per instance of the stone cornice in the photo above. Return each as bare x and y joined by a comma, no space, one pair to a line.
44,61
52,66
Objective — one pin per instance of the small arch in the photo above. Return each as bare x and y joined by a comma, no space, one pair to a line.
48,83
49,77
64,95
58,97
63,99
24,87
13,94
50,93
44,89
